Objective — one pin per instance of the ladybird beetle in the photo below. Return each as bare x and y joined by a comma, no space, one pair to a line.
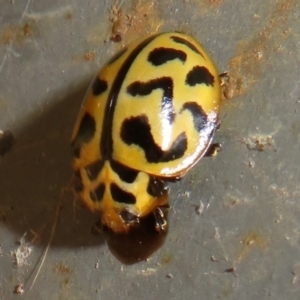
148,117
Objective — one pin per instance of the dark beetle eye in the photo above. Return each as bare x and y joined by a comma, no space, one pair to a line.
128,217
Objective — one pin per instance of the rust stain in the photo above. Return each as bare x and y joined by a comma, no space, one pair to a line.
17,34
245,66
89,56
207,7
166,259
216,2
86,57
120,23
260,142
142,19
27,30
62,269
69,16
146,19
251,241
96,35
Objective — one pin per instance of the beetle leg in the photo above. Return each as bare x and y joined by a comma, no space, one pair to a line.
97,228
157,187
224,78
213,150
160,221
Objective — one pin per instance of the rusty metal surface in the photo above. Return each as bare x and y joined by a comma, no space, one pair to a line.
234,219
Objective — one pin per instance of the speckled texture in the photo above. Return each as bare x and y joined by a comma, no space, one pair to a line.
234,221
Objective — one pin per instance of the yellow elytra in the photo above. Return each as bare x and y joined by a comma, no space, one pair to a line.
148,117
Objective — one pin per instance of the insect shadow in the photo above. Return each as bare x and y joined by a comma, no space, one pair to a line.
35,179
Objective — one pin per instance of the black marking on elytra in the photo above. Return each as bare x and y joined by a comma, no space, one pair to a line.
199,115
106,143
77,183
139,88
99,86
97,194
117,56
85,133
180,40
199,75
156,187
137,131
160,56
121,196
94,169
126,174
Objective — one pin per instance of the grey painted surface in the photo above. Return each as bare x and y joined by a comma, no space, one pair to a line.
245,242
